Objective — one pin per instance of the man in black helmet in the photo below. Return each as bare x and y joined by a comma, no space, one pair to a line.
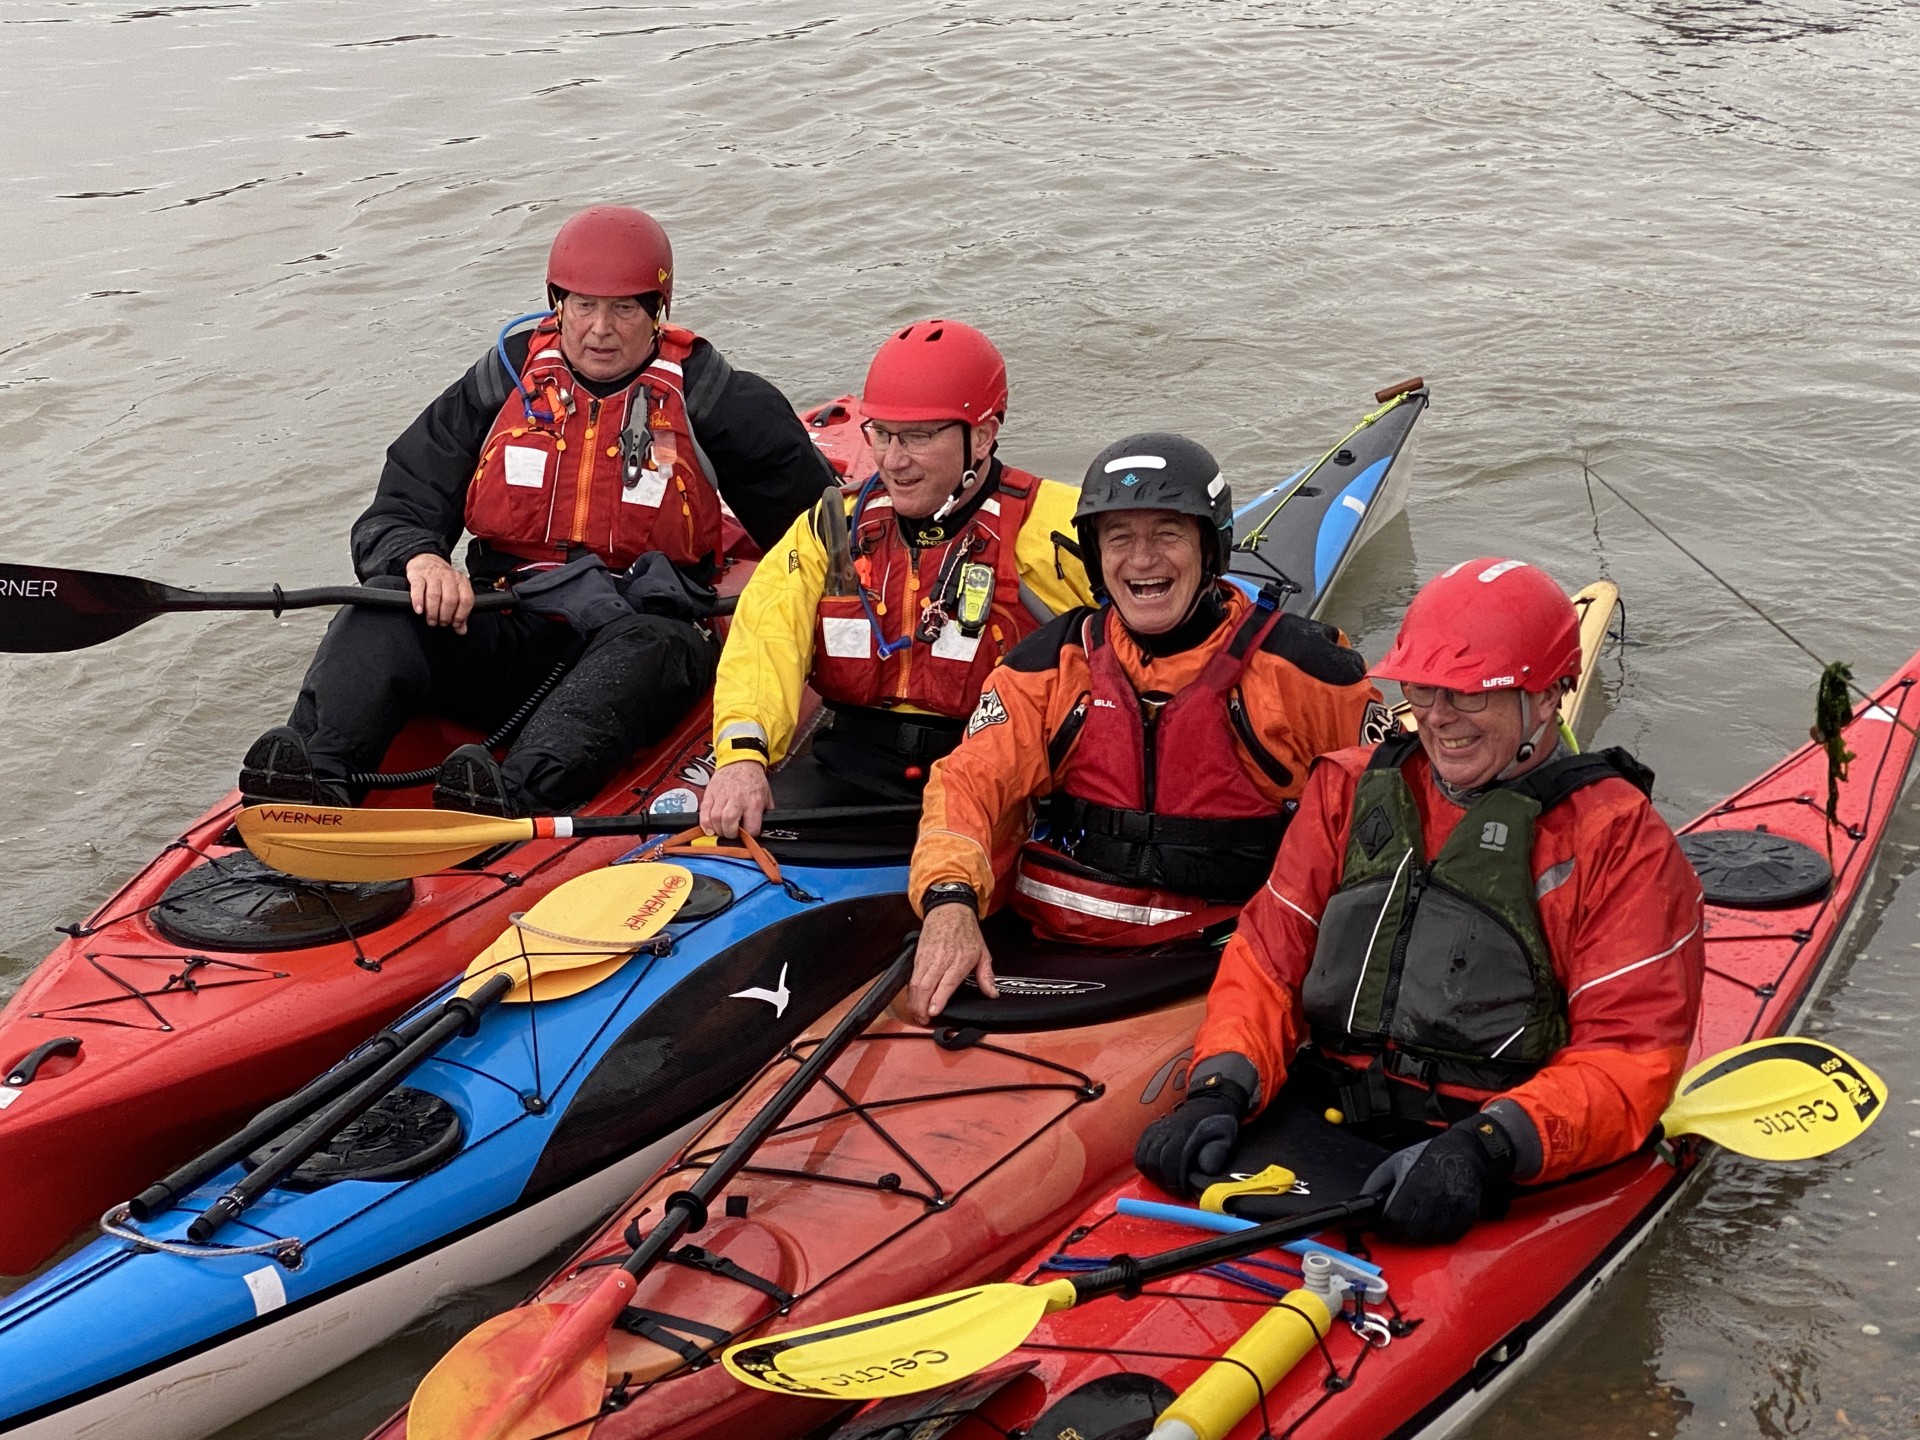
1165,736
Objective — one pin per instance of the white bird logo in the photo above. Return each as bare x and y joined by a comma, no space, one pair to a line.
777,998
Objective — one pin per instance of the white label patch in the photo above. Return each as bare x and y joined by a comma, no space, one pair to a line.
268,1292
649,489
675,802
526,467
951,644
7,1096
847,639
988,712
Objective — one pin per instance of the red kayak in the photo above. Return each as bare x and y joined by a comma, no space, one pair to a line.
1464,1319
209,987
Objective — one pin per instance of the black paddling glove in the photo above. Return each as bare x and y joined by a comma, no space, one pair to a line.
1194,1138
1436,1190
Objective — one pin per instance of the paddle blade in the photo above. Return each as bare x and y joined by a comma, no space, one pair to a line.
536,1370
581,933
324,842
1785,1098
43,609
900,1350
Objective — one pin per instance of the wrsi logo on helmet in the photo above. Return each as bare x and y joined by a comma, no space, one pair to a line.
1156,470
1487,624
612,250
935,370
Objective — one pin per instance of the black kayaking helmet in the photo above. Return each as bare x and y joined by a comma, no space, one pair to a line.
1156,471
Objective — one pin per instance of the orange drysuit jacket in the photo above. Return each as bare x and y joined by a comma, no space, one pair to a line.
1306,692
1623,926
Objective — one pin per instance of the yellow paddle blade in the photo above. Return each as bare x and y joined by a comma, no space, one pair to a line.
324,842
583,931
490,1367
901,1350
1785,1098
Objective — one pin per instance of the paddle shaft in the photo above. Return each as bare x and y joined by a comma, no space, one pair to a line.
458,1013
270,1122
580,1330
44,609
1127,1273
687,1209
580,826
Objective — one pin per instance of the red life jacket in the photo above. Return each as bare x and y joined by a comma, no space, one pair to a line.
1130,843
866,647
558,471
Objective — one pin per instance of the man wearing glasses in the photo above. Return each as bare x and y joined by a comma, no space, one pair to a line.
601,439
1477,949
895,600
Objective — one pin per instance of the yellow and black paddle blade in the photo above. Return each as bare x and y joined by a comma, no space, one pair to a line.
1781,1099
1785,1098
900,1350
329,842
580,933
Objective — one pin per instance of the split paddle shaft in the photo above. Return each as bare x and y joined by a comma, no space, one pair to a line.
274,1120
342,843
489,1387
456,1015
43,609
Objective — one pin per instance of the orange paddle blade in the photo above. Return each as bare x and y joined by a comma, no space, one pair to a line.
533,1371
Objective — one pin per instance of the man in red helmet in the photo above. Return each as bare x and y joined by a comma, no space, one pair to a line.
1476,948
588,456
894,601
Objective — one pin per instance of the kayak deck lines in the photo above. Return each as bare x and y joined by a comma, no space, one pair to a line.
1856,838
936,1199
1084,1088
532,1104
126,991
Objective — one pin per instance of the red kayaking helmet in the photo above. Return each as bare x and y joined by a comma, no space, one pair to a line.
612,250
935,370
1487,624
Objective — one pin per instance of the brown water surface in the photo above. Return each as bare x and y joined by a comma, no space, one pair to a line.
245,242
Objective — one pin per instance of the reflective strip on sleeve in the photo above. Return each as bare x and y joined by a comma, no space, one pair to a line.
1099,909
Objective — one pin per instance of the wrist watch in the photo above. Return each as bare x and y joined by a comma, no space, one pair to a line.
949,892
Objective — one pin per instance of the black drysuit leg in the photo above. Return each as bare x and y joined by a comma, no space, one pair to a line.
637,678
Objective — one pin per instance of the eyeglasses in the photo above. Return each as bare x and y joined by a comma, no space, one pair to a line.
1467,702
914,440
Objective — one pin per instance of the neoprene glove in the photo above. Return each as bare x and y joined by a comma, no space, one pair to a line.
1196,1136
1436,1190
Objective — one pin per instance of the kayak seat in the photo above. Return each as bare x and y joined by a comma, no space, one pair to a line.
1047,985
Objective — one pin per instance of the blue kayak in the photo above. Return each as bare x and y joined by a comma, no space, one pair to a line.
525,1132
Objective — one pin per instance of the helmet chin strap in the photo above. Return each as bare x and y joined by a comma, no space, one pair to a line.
968,476
1531,745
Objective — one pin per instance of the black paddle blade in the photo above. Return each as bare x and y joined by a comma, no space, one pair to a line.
43,609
